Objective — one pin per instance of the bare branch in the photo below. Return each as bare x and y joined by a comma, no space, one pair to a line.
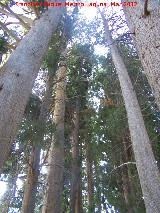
124,164
24,24
25,21
9,32
9,23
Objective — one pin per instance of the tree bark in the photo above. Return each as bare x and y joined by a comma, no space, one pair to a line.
76,203
146,35
98,188
52,200
127,189
29,199
18,75
90,181
145,161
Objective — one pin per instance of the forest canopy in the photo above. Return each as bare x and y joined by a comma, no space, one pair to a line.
79,107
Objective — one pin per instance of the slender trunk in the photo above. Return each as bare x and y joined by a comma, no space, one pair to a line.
127,189
18,75
29,199
115,159
1,55
76,179
98,187
127,147
30,192
145,161
90,181
78,202
146,34
52,200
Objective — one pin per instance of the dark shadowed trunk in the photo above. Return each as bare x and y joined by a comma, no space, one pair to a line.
127,186
90,181
98,188
126,189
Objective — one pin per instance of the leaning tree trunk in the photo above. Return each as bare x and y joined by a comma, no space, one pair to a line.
18,75
145,25
52,200
30,192
145,161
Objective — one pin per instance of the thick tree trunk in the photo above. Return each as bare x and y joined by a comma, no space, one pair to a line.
29,199
146,29
18,75
52,200
90,181
76,179
145,161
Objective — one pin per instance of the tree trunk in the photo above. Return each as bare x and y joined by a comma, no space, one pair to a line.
90,181
29,199
30,192
18,75
127,189
145,161
76,203
52,200
98,188
127,186
146,29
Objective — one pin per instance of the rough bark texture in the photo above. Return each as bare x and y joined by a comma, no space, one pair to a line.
76,203
145,161
18,75
29,199
147,40
52,201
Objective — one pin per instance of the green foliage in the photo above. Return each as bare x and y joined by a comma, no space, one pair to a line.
102,129
3,45
41,9
80,64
